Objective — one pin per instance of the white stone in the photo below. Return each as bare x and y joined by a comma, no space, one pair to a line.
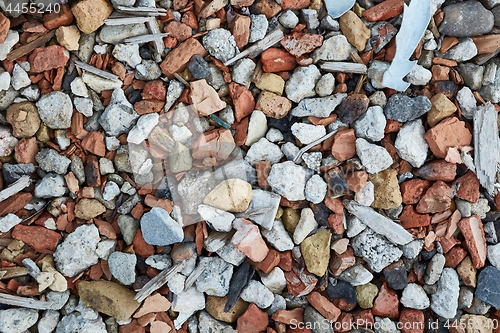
316,189
494,255
20,78
307,133
145,124
159,261
289,180
84,106
307,223
79,88
180,133
111,191
267,201
366,195
465,50
188,301
128,53
32,93
48,322
17,320
288,19
4,81
371,124
257,127
255,292
215,278
176,283
8,222
216,219
77,252
419,76
274,280
302,82
376,73
9,42
444,302
290,150
106,166
335,48
105,248
410,143
242,71
373,157
325,85
263,150
274,135
278,237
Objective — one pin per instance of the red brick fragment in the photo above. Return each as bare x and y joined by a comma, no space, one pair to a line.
384,10
468,187
47,58
178,30
141,248
178,58
40,238
473,232
294,4
254,320
267,7
273,105
412,190
298,43
412,321
15,203
386,303
438,170
270,261
154,90
26,150
289,316
240,28
450,132
277,60
94,143
411,219
454,256
436,199
341,262
299,282
54,20
344,144
323,306
243,100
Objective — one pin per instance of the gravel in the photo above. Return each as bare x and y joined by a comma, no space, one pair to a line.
47,104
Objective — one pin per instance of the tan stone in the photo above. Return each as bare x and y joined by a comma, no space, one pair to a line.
467,272
290,219
90,14
160,327
215,307
87,209
354,30
109,298
273,105
386,189
205,98
68,37
365,294
316,252
271,82
232,195
24,119
477,324
441,108
153,303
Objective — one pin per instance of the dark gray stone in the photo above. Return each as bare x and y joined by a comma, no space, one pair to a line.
487,286
396,276
12,172
472,75
403,108
465,19
198,67
316,321
342,289
238,282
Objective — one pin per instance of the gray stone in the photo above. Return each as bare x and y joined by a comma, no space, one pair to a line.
472,75
105,248
335,48
176,283
17,319
465,297
48,322
216,219
74,322
444,302
410,143
115,34
487,286
307,133
467,102
194,187
413,248
371,124
198,67
288,19
315,189
51,186
274,135
325,85
354,226
318,107
356,275
145,124
174,91
243,70
378,98
267,202
77,252
289,180
9,42
4,81
122,267
375,249
188,301
98,83
481,207
463,51
263,150
434,269
419,76
119,116
278,237
158,228
258,27
255,292
55,110
373,157
50,160
215,278
478,307
493,254
366,195
316,322
279,303
313,160
310,18
290,150
414,297
147,70
403,108
13,172
20,78
84,106
231,254
376,73
329,23
465,19
220,44
8,222
302,82
159,261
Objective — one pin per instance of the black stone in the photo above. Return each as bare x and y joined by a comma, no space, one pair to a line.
145,53
342,289
427,255
239,281
67,79
12,172
403,108
396,276
92,123
198,67
321,214
447,88
135,96
352,107
487,286
163,190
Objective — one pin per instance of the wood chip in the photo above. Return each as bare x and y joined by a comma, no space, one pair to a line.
27,48
16,187
25,302
256,49
344,67
96,71
12,272
158,281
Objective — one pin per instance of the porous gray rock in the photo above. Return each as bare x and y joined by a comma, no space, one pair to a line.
263,150
119,116
122,266
371,124
403,108
318,107
215,278
78,251
17,320
50,160
302,82
158,228
258,27
55,110
444,302
307,133
51,186
289,180
315,189
410,143
373,157
220,44
335,48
